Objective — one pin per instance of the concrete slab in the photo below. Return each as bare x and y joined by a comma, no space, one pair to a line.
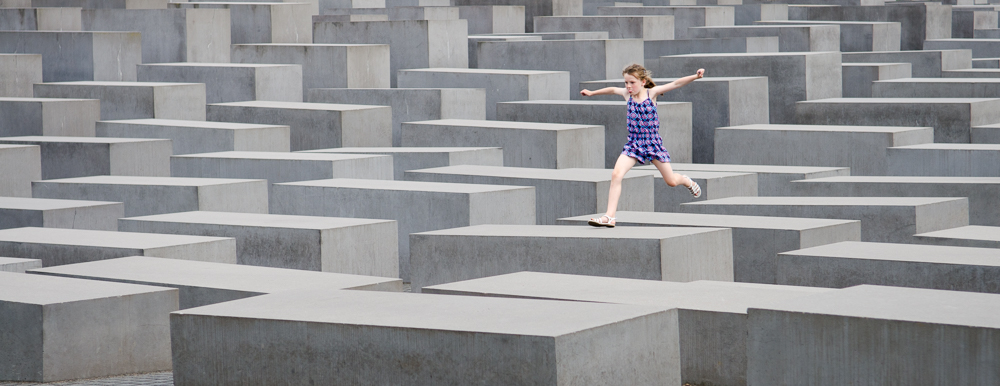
714,185
128,100
981,48
169,35
858,77
925,64
857,36
534,8
975,236
683,17
73,56
263,22
66,157
969,73
500,85
156,195
918,21
18,212
493,19
102,4
645,27
965,21
474,41
654,49
413,158
19,165
22,17
57,246
944,159
986,134
986,63
937,88
881,217
324,65
20,71
190,137
232,82
771,180
49,116
791,38
13,264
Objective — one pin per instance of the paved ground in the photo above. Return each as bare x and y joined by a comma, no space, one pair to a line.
164,378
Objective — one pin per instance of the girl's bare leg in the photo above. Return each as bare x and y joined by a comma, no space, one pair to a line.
622,166
672,179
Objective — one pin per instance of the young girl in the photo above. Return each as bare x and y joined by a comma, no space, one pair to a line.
644,142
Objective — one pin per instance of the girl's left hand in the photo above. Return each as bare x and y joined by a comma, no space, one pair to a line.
700,73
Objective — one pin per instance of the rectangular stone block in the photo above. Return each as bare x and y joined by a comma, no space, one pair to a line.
422,13
253,22
362,336
415,206
559,193
986,134
155,195
201,136
474,41
13,264
447,256
654,49
859,77
102,4
19,212
986,63
226,82
792,77
771,180
525,144
683,17
21,17
925,64
950,87
127,100
58,329
202,283
748,14
981,48
324,65
651,27
314,125
714,185
413,158
919,21
874,334
791,38
72,56
675,122
533,8
416,43
711,316
48,116
965,21
58,246
945,159
972,73
18,72
411,104
169,35
858,36
19,165
861,148
351,246
975,236
493,19
499,85
66,157
883,219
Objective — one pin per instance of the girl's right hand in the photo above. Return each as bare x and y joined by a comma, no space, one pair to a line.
586,92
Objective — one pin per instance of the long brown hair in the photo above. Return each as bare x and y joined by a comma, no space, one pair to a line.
640,73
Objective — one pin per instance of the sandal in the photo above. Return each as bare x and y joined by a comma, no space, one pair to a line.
600,223
694,188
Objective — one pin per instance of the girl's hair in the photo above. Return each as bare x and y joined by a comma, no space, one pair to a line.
641,73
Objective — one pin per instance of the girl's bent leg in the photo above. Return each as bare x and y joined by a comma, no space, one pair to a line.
672,179
622,166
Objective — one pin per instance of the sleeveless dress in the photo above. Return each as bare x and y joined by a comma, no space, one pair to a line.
644,142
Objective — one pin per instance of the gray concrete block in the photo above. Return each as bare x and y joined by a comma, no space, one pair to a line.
950,87
971,73
858,36
986,63
791,38
452,255
21,17
659,27
263,22
102,4
416,206
351,246
980,191
474,41
792,77
559,193
411,104
675,122
202,283
756,239
525,144
72,56
13,264
605,59
986,134
919,21
19,165
654,49
18,72
493,19
951,118
422,13
858,77
714,185
981,48
226,82
128,100
500,85
533,8
413,158
416,43
58,329
874,334
65,157
848,264
861,148
169,35
883,219
325,65
748,14
314,125
925,64
577,35
711,315
975,236
49,116
715,102
19,212
57,246
363,336
945,159
964,22
771,180
201,136
156,195
683,17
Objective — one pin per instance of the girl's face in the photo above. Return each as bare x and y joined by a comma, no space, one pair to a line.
633,85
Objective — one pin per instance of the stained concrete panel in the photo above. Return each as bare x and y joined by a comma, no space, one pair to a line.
49,116
129,100
262,22
169,35
19,165
19,212
74,56
25,17
859,77
18,72
190,137
66,157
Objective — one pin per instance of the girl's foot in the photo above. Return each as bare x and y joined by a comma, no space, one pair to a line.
599,222
694,188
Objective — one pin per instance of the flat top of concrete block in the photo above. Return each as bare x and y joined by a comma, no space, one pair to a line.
503,124
217,65
299,105
149,181
99,140
697,295
990,126
826,22
19,55
109,239
916,253
830,128
970,232
5,146
15,260
903,304
718,220
905,180
584,102
564,231
392,150
25,203
258,220
420,186
827,201
750,168
953,146
484,71
116,84
754,54
311,45
873,64
281,156
921,101
43,290
942,80
211,275
193,124
43,100
582,175
430,312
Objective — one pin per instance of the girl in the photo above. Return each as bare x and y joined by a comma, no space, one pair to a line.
644,142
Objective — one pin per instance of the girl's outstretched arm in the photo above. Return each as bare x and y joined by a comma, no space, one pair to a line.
604,91
677,83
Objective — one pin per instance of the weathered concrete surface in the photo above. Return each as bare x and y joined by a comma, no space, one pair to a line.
67,157
858,77
18,212
413,158
74,56
771,180
976,236
49,116
13,264
190,137
129,100
232,82
500,85
925,64
324,65
18,72
19,165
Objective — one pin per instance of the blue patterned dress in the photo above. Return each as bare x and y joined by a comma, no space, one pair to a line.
644,142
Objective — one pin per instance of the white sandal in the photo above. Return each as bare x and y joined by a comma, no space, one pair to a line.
599,223
694,188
